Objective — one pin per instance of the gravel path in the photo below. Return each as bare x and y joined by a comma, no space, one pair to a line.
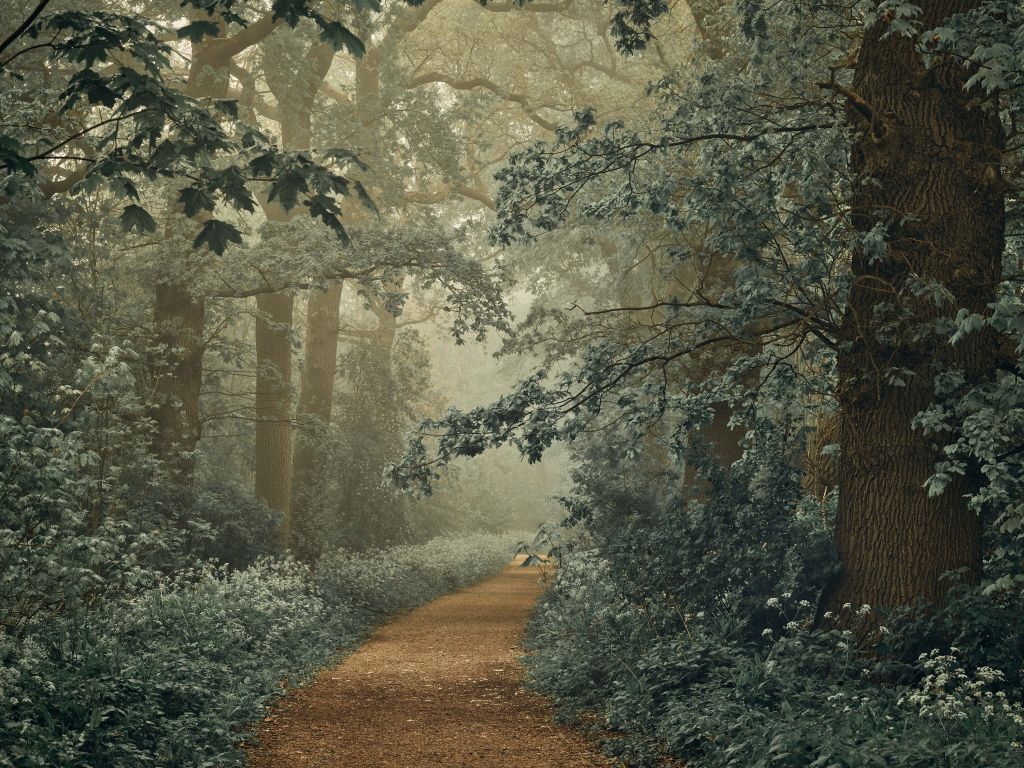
438,688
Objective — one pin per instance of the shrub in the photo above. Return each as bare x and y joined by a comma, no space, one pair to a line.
711,692
684,621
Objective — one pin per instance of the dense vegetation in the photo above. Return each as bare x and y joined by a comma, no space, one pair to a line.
171,671
756,265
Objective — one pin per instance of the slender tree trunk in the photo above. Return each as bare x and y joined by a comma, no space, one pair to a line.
316,395
273,400
294,84
929,153
178,319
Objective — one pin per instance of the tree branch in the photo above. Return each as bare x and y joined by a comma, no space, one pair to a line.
223,48
9,40
469,84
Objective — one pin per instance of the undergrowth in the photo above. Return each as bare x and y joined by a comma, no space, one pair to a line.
685,625
171,674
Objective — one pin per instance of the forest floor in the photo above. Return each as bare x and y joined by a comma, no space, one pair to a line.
439,686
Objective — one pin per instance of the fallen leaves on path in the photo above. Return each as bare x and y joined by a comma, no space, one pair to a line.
437,687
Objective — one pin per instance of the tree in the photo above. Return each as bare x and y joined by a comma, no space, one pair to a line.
294,72
856,207
927,155
418,165
119,119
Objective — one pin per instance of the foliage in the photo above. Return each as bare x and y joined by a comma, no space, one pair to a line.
164,132
172,674
685,619
761,287
240,529
684,616
381,582
714,686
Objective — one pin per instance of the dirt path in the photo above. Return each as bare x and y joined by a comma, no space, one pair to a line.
436,688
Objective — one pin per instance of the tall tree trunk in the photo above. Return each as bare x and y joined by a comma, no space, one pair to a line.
178,319
294,85
374,516
929,155
316,395
273,398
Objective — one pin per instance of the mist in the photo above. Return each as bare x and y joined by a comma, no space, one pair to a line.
443,382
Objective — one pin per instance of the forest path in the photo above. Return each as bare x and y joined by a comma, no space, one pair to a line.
439,686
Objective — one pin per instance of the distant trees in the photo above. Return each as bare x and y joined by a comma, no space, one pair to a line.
200,122
106,83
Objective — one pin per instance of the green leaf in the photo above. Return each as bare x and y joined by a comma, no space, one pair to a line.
197,30
326,209
262,165
289,10
195,199
92,85
338,36
228,106
124,187
11,157
216,235
232,184
364,197
136,218
287,186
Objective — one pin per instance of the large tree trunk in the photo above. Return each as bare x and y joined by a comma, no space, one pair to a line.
316,395
929,154
178,323
374,516
178,319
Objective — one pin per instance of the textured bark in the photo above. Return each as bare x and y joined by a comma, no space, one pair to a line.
178,327
931,153
273,401
316,395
